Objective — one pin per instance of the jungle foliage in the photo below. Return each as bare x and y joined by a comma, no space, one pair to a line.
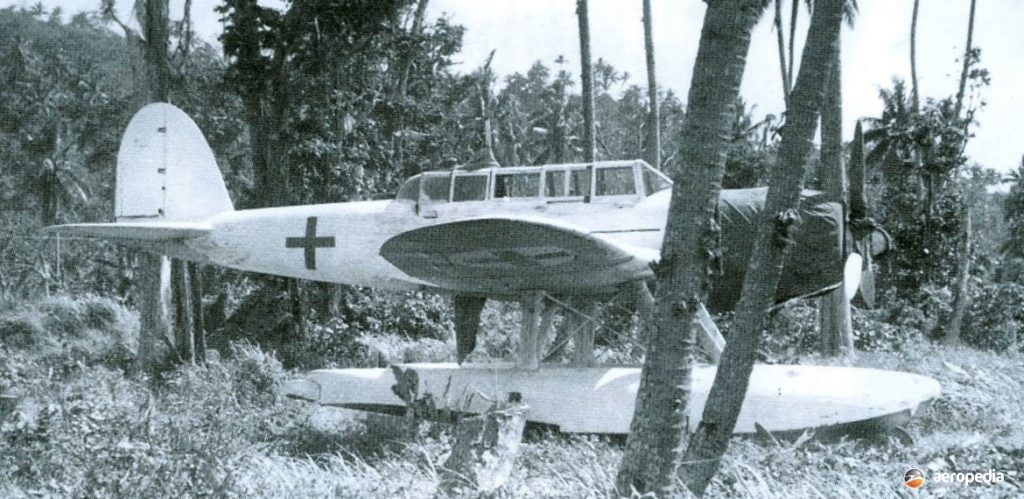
310,103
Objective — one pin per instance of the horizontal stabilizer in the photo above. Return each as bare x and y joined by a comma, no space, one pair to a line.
142,231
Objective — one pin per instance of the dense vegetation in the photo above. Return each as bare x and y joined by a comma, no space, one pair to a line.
358,104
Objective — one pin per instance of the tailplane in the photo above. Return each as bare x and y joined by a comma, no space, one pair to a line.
168,184
166,171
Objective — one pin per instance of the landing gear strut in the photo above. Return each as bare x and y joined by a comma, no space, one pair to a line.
579,323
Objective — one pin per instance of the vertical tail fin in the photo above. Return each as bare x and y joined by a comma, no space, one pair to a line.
166,171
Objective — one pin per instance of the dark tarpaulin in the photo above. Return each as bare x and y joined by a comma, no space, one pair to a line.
815,264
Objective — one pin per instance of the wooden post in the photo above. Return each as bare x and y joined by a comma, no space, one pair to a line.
484,449
198,310
184,340
529,338
571,321
154,308
547,317
583,344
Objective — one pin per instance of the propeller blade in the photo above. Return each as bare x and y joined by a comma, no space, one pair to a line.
852,274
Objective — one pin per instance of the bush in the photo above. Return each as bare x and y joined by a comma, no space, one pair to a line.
411,315
921,310
332,344
793,329
265,317
102,313
62,315
1010,270
100,434
995,317
22,331
873,334
790,331
64,331
393,349
256,377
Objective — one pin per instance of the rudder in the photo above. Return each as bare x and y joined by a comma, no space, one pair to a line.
166,170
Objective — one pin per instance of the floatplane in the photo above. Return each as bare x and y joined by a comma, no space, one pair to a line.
533,234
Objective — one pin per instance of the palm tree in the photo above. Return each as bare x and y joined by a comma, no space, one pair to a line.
652,453
914,95
835,325
156,271
587,77
968,49
709,442
794,11
781,39
960,295
849,13
654,120
59,181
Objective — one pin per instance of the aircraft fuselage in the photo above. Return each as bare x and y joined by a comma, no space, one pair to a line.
341,242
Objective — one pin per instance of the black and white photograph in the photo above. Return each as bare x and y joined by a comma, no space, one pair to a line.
752,249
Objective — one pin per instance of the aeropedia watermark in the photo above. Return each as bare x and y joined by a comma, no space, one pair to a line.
915,478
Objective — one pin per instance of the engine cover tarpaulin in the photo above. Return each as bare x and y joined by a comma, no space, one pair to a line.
815,263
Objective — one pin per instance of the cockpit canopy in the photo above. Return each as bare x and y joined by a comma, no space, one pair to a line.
617,180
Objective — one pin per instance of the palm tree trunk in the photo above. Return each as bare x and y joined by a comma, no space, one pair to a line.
793,14
690,252
967,64
417,29
157,293
960,297
781,39
963,272
834,322
914,95
773,242
558,140
156,33
653,118
587,77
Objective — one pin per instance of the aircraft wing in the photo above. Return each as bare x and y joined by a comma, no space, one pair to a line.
512,255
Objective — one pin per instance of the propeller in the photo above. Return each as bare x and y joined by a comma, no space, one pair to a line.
852,273
869,240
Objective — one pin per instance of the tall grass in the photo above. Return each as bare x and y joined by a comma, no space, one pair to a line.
86,427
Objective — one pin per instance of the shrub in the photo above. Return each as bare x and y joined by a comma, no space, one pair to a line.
995,317
392,349
62,315
873,334
326,345
1010,270
256,376
499,331
790,331
412,315
794,328
102,313
921,310
22,331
